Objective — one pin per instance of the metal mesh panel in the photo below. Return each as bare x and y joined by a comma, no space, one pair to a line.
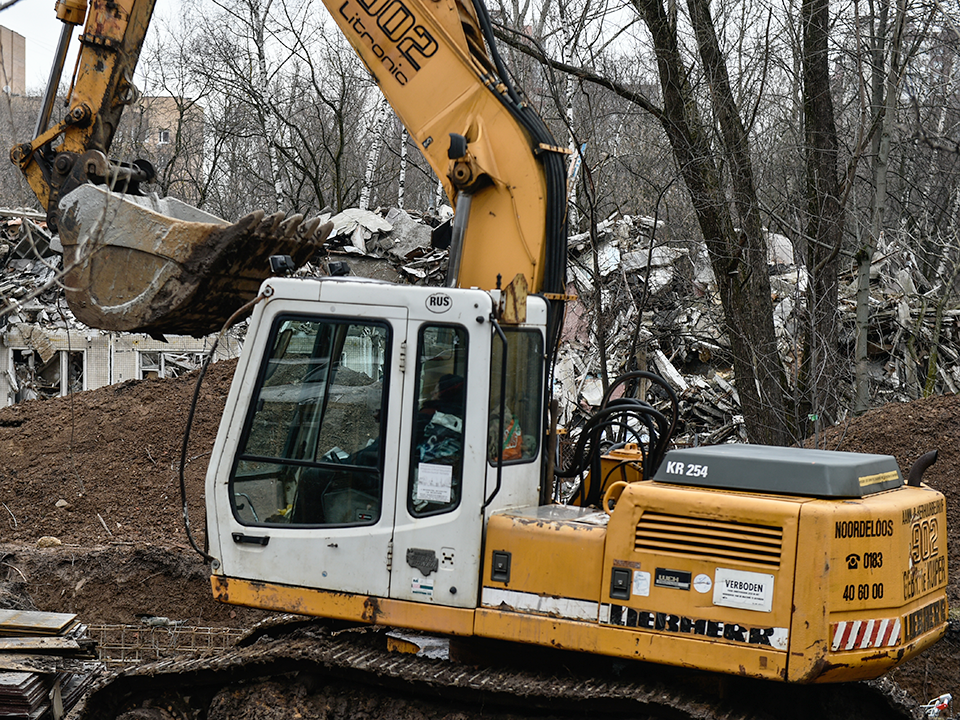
122,645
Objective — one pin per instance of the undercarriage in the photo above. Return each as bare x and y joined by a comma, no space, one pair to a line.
325,670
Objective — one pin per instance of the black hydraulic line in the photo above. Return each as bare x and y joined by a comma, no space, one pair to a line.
597,419
674,401
503,409
186,433
619,466
620,416
640,406
653,377
554,170
660,437
619,420
555,176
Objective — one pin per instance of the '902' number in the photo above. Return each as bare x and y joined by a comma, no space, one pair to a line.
688,469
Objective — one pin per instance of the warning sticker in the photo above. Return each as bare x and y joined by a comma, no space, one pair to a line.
744,590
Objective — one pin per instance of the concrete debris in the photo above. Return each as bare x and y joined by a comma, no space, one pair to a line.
357,226
393,245
406,238
157,621
658,309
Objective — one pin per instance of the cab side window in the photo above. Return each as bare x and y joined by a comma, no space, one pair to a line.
522,414
436,457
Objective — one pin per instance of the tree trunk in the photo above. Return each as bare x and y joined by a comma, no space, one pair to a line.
824,222
738,256
379,118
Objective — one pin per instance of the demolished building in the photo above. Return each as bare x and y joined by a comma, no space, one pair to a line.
45,352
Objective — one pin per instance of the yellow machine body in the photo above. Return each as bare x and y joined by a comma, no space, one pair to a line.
773,587
792,565
779,588
333,492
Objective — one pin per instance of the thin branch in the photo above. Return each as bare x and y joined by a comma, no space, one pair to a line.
513,39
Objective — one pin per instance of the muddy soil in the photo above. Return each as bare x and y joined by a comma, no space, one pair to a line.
98,472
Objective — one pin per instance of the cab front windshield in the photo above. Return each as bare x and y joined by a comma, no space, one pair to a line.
311,452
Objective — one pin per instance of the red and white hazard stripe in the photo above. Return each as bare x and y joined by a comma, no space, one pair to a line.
863,634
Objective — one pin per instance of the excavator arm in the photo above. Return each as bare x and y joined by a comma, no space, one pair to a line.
493,153
164,267
134,263
112,38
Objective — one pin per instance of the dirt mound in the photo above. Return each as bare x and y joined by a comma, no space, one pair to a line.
102,465
119,583
98,471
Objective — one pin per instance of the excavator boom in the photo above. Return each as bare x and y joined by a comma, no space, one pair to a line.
132,267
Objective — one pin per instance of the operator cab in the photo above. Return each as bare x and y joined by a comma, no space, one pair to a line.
362,434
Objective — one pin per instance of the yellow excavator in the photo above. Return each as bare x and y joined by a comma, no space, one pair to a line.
386,455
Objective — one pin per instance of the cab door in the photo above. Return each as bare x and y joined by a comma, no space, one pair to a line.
438,518
305,488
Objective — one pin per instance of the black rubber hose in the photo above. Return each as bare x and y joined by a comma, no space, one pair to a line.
555,173
653,377
587,433
620,416
186,432
920,467
674,402
663,425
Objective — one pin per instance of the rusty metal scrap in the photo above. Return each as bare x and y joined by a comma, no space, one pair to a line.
46,663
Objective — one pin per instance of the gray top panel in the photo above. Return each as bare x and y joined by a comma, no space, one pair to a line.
781,470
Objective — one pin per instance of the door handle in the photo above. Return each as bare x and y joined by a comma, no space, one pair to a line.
251,539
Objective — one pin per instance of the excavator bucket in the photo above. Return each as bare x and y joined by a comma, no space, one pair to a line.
139,264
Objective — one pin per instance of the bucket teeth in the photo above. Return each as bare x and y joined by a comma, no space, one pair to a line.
289,226
307,229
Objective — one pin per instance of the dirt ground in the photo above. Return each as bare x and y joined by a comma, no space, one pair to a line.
98,472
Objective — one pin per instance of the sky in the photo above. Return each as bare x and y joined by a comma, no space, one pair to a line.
37,21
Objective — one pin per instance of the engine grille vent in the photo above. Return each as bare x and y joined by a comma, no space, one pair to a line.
716,539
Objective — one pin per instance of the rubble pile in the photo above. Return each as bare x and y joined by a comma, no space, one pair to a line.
658,309
29,261
912,317
646,299
391,245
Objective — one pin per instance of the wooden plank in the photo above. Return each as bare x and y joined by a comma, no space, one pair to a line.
30,622
42,644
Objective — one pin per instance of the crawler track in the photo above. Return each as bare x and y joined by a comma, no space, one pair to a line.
316,658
